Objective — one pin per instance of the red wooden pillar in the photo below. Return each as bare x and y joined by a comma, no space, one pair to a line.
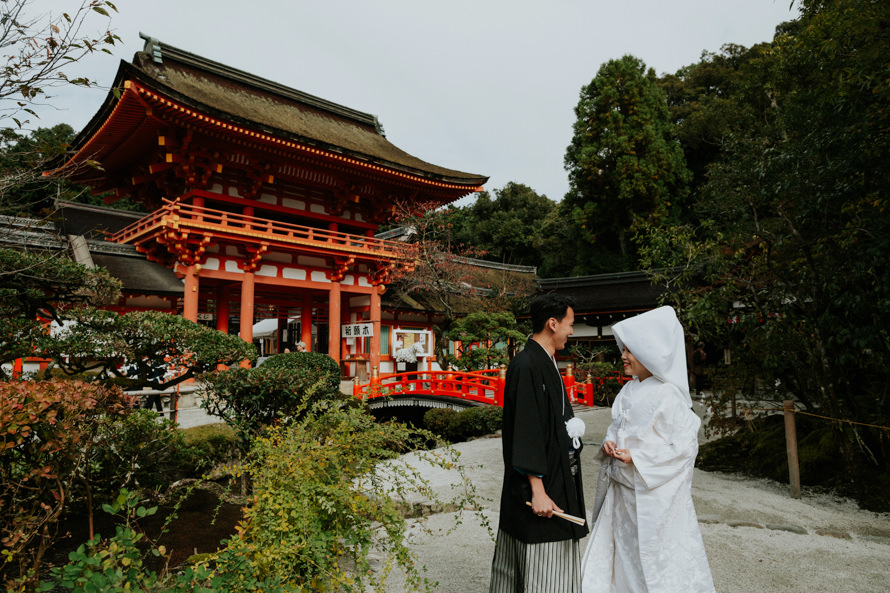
190,298
375,330
222,309
198,203
246,332
306,322
346,319
223,295
334,322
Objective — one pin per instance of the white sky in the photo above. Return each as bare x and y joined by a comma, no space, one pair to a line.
483,86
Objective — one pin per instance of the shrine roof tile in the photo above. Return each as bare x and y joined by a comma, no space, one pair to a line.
234,95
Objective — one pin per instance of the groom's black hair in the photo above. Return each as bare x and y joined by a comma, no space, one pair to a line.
549,305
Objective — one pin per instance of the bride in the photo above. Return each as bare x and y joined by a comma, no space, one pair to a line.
646,538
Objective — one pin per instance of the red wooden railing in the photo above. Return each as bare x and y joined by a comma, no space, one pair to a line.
177,215
584,392
480,386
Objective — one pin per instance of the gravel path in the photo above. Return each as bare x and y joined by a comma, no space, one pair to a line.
758,539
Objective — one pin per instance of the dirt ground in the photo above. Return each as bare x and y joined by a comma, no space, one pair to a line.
758,539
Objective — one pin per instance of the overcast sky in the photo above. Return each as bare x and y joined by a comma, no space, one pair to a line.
483,86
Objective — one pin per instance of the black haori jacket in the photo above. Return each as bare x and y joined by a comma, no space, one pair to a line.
536,408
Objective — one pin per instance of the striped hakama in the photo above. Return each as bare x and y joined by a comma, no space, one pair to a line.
550,567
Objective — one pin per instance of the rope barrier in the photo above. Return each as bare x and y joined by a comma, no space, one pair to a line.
820,416
840,420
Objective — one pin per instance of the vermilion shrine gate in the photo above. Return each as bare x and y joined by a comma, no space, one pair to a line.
264,200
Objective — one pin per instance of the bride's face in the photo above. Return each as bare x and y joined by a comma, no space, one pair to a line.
633,367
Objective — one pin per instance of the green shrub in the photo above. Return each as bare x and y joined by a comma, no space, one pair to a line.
476,422
208,446
139,450
249,400
306,368
320,505
440,421
466,424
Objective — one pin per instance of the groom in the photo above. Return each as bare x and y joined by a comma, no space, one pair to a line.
537,552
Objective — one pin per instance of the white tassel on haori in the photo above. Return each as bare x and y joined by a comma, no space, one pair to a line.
575,427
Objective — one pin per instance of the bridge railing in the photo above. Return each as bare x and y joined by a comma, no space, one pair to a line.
483,386
585,392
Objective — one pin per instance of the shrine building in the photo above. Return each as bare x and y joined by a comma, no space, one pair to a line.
264,202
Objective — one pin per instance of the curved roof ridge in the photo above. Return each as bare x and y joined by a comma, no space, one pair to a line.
160,51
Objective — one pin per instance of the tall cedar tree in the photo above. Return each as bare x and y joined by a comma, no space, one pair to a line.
788,269
625,169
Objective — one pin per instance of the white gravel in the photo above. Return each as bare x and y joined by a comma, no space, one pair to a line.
758,539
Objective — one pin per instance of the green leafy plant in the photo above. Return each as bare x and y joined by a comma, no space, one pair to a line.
440,421
35,287
249,400
321,504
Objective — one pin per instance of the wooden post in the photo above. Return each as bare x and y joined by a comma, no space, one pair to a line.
502,381
306,322
247,310
375,315
222,309
588,390
791,445
356,391
569,381
334,322
374,386
190,296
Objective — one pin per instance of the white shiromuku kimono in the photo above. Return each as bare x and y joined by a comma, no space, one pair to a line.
645,538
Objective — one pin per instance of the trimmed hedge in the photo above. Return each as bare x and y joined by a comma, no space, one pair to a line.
307,368
461,426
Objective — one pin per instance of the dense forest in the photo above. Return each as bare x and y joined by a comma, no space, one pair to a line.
753,185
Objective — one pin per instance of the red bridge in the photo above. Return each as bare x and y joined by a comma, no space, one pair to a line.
459,390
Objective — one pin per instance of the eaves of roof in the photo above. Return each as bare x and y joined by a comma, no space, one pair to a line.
252,102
